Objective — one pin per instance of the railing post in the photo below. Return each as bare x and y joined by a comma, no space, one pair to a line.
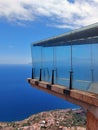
40,77
71,79
71,69
32,73
52,82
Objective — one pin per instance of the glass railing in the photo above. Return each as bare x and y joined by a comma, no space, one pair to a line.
93,87
81,67
85,76
62,65
36,61
47,63
57,60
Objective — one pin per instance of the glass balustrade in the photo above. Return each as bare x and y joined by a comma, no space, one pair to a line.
36,61
58,60
47,63
81,67
62,65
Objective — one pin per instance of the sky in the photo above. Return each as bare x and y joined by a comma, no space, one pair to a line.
23,22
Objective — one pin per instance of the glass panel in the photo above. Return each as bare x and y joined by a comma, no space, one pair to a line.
36,60
81,67
94,73
85,65
47,63
62,65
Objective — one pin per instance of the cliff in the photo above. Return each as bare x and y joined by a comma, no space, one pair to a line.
53,120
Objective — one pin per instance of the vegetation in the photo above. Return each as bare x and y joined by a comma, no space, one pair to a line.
26,124
74,119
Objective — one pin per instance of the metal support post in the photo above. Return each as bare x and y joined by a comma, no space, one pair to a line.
52,82
32,73
71,71
71,79
40,77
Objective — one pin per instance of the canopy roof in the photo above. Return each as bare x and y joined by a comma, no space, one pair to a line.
85,35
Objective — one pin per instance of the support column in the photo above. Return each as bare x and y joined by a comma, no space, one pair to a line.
71,79
71,68
52,82
40,75
32,73
92,118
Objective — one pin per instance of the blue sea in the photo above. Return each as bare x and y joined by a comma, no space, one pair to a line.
18,100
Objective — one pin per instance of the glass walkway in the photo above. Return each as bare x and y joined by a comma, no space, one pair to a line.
70,59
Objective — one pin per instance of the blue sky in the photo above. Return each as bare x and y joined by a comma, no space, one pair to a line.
25,21
15,41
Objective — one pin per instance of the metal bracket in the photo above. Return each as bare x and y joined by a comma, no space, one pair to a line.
67,91
49,86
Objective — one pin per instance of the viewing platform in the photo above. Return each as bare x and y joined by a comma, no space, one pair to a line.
67,66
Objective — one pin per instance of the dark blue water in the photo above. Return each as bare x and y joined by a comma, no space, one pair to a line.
18,99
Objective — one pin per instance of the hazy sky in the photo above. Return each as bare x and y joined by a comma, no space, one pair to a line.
25,21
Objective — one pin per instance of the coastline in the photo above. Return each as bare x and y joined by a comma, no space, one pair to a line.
62,119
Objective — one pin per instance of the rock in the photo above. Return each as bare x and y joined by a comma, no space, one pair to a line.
60,127
43,122
57,123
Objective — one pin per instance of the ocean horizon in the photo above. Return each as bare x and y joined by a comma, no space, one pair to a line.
18,100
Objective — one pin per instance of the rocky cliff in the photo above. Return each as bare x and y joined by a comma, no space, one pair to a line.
53,120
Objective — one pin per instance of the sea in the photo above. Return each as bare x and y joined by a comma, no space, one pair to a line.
18,100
